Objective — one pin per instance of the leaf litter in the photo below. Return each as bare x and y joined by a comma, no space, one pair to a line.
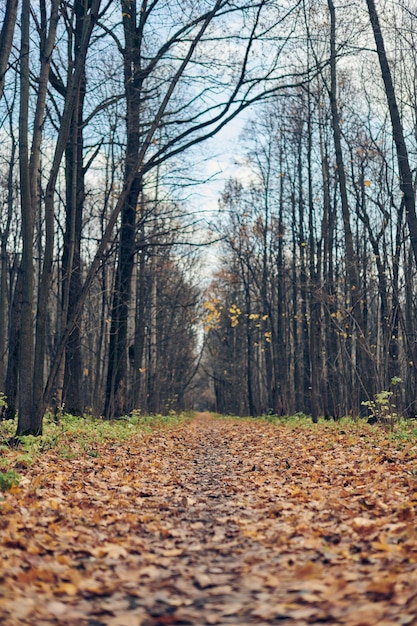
216,522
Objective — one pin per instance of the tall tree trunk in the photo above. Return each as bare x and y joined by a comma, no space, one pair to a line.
30,421
351,264
25,425
305,344
139,384
12,373
249,348
118,350
406,176
331,387
314,281
270,377
71,258
281,356
394,351
297,381
153,400
116,403
410,330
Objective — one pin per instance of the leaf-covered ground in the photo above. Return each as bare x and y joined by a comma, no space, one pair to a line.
216,522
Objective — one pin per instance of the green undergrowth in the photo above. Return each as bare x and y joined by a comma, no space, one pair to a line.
8,479
76,436
401,432
299,419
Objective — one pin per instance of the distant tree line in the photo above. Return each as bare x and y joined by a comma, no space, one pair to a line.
313,308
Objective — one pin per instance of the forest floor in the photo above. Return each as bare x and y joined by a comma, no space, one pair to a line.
216,521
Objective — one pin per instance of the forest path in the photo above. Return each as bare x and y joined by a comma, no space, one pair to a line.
216,522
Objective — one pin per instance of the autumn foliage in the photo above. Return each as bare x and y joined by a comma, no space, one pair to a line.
215,521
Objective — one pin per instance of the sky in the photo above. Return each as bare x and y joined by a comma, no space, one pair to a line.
223,158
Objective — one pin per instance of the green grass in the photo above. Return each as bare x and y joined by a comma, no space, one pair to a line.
82,435
75,436
299,419
403,434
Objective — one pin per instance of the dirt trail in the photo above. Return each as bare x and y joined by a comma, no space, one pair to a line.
215,522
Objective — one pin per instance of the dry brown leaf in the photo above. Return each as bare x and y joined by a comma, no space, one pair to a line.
175,527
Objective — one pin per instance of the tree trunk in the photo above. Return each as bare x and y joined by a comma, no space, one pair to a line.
351,264
25,424
30,420
331,380
139,383
296,349
406,176
71,258
12,373
6,39
281,355
116,403
304,328
314,283
153,397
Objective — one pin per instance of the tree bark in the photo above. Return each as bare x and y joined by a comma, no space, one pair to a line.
12,373
25,424
314,281
6,39
30,369
406,177
70,378
351,264
116,403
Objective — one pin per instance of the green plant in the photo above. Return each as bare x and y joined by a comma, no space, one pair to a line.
169,406
7,430
8,479
3,399
381,408
31,445
68,453
24,460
